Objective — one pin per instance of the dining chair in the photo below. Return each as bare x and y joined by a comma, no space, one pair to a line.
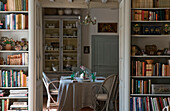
51,89
106,92
167,108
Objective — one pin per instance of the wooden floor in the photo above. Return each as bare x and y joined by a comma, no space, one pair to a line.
55,108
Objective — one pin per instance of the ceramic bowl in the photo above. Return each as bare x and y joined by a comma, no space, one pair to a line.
60,12
68,11
149,61
76,12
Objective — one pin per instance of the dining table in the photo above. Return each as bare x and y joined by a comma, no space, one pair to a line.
76,94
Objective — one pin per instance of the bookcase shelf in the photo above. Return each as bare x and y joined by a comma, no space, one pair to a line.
13,87
164,21
13,97
12,51
150,36
8,12
149,21
148,56
8,30
149,8
16,18
150,77
152,95
14,66
50,38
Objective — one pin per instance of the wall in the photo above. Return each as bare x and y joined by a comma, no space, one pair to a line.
102,15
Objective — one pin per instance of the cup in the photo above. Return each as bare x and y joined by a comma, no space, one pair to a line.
168,62
94,76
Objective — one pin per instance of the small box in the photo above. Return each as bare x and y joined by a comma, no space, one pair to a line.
160,88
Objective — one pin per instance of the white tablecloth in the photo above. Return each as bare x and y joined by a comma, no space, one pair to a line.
74,96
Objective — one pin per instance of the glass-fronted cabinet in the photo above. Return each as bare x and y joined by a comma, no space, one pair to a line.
62,43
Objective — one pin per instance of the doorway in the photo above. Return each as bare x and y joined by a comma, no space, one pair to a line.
105,54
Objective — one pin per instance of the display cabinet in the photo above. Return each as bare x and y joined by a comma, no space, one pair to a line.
62,44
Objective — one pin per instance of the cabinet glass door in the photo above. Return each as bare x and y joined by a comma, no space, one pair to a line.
70,44
52,39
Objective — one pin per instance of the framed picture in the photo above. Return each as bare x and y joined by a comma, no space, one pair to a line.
86,49
107,27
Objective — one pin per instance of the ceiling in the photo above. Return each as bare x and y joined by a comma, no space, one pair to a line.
79,4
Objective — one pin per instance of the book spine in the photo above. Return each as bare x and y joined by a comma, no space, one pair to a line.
132,86
131,104
138,87
16,81
26,5
0,78
3,104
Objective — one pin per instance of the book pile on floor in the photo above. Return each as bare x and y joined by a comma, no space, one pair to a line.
18,93
19,106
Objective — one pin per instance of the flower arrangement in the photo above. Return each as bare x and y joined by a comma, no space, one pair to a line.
81,72
9,41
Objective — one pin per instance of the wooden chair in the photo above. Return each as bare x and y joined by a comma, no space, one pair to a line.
50,92
105,92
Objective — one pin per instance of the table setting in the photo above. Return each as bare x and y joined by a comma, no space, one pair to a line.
75,91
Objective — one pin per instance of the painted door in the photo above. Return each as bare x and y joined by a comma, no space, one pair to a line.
105,54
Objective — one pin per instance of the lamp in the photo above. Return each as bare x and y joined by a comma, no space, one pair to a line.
88,20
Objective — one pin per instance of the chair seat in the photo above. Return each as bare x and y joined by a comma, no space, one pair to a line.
54,91
101,97
54,104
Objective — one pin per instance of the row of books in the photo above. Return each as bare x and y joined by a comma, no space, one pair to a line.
21,106
148,29
5,105
148,103
154,15
13,78
18,93
16,21
18,59
14,5
15,106
142,69
141,86
150,3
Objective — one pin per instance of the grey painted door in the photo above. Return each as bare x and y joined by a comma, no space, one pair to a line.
105,54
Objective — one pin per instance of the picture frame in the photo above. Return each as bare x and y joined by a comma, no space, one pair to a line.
107,27
86,49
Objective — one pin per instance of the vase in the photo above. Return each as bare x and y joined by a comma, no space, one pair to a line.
8,47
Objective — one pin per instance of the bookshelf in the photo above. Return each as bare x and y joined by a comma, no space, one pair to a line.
150,39
14,65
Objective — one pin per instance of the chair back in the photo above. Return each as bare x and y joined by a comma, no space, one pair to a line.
109,82
45,78
111,85
167,108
